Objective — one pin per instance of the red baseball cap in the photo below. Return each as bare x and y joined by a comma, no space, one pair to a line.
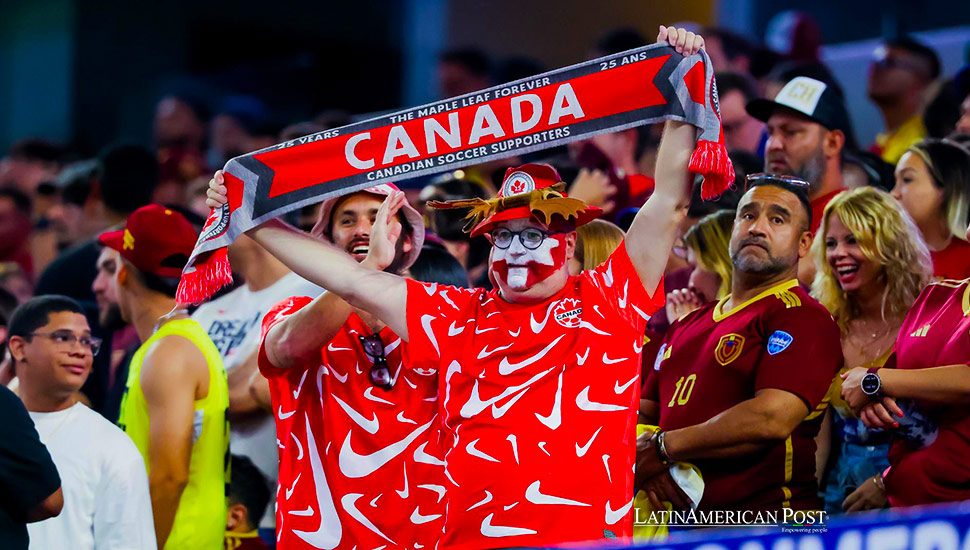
156,240
523,180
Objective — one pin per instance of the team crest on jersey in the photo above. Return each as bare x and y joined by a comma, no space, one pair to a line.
662,353
518,183
779,342
568,312
728,348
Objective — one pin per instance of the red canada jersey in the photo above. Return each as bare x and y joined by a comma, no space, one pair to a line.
539,404
359,465
712,360
928,456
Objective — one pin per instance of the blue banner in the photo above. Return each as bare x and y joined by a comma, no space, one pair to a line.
924,528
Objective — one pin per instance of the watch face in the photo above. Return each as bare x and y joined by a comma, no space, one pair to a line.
870,383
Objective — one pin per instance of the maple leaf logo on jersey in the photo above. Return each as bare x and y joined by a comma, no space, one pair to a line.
728,348
567,312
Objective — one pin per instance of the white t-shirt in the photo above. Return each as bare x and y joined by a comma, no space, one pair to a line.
233,323
106,500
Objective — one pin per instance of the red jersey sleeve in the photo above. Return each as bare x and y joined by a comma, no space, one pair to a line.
620,285
280,311
802,354
431,310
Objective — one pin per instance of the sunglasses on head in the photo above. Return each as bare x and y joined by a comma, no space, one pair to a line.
761,178
380,374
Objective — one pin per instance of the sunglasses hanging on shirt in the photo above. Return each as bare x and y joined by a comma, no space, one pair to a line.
380,374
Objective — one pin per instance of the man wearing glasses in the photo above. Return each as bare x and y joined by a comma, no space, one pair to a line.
175,401
357,429
537,379
106,502
737,386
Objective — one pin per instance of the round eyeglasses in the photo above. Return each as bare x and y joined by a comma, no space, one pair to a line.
530,237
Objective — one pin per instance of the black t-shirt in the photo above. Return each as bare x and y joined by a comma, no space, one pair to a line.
27,473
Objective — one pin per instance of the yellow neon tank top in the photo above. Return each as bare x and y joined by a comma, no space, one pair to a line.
200,521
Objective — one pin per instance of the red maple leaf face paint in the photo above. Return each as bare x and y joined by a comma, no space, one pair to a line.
520,268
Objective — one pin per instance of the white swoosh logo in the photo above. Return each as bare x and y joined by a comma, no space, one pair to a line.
444,296
369,394
299,447
618,389
515,446
637,349
421,456
495,531
581,451
608,361
299,387
507,367
533,495
581,359
516,333
327,535
596,308
587,326
437,489
373,503
470,449
289,492
483,331
537,327
338,376
542,445
370,425
640,313
584,404
613,516
426,325
510,506
331,348
282,415
485,351
431,289
354,465
483,502
418,519
608,274
555,417
407,490
626,287
606,464
349,502
307,512
453,330
402,419
475,405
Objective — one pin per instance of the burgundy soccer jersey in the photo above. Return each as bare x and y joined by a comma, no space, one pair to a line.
359,465
712,360
930,464
539,404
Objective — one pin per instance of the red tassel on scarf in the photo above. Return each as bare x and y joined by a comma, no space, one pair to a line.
209,273
710,159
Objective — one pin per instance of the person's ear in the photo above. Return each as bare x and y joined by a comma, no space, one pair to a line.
236,517
122,274
804,244
571,239
832,142
17,346
408,243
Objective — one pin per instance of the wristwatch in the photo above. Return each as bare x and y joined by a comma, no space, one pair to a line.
871,384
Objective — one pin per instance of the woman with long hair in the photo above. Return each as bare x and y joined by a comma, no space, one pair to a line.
923,397
871,264
933,184
707,251
595,241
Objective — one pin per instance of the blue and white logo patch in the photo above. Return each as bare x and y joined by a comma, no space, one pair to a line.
660,357
779,342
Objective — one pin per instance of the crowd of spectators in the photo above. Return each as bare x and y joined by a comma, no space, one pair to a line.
88,266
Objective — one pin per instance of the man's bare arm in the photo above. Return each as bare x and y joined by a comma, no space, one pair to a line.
299,337
171,374
771,416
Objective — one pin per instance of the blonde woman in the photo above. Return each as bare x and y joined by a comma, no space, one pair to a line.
933,185
871,265
707,252
594,243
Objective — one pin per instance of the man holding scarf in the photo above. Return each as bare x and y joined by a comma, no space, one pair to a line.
538,378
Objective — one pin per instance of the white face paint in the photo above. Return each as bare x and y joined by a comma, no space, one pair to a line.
518,258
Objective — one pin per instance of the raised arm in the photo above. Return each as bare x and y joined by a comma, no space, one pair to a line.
651,236
380,293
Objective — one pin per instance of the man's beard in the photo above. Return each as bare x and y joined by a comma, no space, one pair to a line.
812,170
111,318
767,266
